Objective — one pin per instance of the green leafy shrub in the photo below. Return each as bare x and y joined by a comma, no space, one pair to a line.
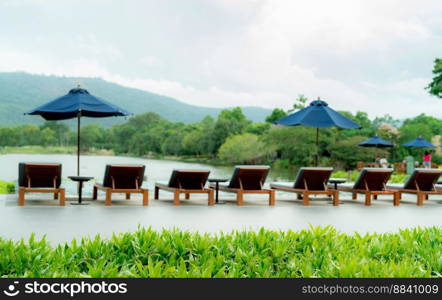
398,178
316,252
6,187
350,176
243,148
353,175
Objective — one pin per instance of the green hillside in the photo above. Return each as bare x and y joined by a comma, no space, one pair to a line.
20,92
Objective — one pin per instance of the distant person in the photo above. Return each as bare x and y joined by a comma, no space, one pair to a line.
383,162
377,160
427,160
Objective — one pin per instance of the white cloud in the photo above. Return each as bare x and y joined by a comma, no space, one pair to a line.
150,61
372,56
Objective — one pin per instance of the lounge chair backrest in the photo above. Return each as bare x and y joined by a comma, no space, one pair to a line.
124,176
189,179
425,179
249,177
39,175
373,179
314,179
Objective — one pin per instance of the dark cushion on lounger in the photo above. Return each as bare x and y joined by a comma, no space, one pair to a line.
189,179
425,178
125,176
376,178
314,177
251,177
41,175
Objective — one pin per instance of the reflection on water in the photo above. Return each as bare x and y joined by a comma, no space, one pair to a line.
156,170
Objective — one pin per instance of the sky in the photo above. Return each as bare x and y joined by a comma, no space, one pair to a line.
373,56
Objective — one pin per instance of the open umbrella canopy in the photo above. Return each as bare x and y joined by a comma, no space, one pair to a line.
318,115
376,142
420,142
76,104
77,101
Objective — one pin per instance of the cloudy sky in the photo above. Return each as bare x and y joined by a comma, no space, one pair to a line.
374,56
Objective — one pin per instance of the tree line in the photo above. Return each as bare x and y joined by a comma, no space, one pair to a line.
232,139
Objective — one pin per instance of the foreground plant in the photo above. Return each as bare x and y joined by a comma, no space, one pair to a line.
317,252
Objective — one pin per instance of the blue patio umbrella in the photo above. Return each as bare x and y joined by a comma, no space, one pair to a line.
318,115
376,142
419,142
76,104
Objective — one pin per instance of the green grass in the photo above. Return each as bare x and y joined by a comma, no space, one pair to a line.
39,150
317,252
6,187
51,150
395,178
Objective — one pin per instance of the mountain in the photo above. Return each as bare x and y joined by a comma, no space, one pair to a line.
20,92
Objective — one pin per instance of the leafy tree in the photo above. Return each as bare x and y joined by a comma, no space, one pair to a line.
296,144
173,144
60,130
434,124
9,136
47,137
30,135
360,118
91,136
300,103
230,122
276,115
346,153
258,128
243,148
435,86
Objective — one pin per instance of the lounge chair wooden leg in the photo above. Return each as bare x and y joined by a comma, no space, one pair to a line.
94,193
108,201
187,196
21,196
240,198
56,196
426,196
336,198
305,198
368,199
176,198
145,197
396,199
62,197
420,199
271,197
157,193
299,197
375,197
354,196
127,196
211,197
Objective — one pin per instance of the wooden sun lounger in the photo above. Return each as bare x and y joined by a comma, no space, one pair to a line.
248,180
372,182
421,182
309,181
186,182
40,178
126,179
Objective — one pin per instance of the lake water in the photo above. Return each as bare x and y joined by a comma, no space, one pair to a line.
93,166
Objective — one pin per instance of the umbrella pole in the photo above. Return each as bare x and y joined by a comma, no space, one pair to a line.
317,146
78,144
